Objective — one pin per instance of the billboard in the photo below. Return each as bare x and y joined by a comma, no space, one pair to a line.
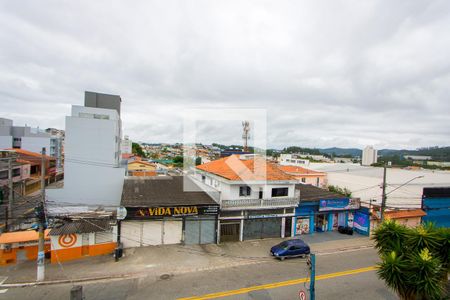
361,222
339,204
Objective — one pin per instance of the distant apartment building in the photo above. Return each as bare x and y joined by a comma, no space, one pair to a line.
93,173
30,139
369,156
126,146
293,160
57,145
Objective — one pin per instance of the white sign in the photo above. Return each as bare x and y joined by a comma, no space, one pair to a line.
302,295
121,213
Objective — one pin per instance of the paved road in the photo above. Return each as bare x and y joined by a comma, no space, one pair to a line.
363,285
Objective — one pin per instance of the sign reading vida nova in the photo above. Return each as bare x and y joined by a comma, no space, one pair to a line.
171,211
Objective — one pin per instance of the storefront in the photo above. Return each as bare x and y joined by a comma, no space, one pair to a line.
321,211
162,225
256,224
159,212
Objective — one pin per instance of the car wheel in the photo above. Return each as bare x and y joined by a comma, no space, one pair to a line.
282,258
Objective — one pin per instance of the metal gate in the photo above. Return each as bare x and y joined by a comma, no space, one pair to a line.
200,230
262,228
229,231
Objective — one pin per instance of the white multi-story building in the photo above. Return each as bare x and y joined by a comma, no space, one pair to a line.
293,160
369,156
126,146
256,198
23,137
93,175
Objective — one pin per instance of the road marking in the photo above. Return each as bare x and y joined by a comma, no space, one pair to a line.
3,291
278,284
3,279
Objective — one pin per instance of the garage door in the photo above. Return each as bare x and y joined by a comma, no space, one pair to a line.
130,232
147,233
262,228
200,231
172,232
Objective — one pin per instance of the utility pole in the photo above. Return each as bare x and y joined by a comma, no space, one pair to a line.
41,219
10,187
312,281
383,196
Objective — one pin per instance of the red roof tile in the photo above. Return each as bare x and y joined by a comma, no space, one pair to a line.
236,169
29,153
399,214
299,170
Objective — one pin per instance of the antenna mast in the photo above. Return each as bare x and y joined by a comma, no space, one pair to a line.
246,134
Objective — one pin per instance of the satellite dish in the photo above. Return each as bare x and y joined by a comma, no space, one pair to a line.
121,213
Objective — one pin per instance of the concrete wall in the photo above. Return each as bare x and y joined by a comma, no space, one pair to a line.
93,140
92,99
6,142
35,144
89,185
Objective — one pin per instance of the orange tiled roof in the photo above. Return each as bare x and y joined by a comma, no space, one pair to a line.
29,153
410,213
21,236
236,169
299,170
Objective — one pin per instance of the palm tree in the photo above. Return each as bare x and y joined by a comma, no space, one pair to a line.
414,262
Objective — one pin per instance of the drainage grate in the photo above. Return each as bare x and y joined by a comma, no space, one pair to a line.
165,276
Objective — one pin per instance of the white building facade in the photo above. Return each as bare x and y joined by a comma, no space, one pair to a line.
369,156
252,207
293,160
93,175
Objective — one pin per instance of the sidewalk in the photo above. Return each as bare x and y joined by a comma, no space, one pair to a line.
168,260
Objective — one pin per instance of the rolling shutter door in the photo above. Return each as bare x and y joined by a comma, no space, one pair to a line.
192,232
152,233
262,228
208,231
173,231
131,234
200,231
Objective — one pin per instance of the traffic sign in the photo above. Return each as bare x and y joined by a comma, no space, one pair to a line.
302,295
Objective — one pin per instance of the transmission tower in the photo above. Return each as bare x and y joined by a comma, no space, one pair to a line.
246,134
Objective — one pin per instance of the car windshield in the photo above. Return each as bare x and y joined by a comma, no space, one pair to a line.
284,245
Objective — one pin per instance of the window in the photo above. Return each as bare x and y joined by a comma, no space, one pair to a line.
4,175
280,192
245,191
303,179
203,178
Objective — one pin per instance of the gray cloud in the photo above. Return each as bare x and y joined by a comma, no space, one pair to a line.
340,73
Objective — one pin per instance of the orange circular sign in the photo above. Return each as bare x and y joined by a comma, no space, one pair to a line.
67,240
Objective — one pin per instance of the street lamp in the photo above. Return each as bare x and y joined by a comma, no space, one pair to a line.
384,196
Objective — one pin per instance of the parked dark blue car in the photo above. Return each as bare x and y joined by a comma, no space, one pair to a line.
290,248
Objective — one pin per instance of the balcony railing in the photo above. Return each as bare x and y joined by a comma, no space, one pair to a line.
259,203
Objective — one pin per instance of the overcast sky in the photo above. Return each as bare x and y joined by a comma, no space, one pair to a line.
329,73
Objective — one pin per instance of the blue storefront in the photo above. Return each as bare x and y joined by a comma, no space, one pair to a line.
321,211
436,204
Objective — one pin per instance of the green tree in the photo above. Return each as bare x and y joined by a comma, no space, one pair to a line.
414,261
137,150
198,161
341,191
